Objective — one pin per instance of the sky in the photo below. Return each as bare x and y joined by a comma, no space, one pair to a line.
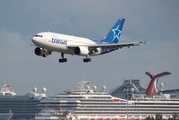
154,21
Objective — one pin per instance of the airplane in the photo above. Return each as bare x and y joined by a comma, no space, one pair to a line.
48,42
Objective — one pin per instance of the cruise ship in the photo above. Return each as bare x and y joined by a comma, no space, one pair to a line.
22,106
86,103
139,89
5,116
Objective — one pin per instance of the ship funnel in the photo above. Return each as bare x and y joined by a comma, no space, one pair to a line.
152,88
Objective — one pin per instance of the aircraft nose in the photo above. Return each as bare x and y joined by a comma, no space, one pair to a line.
34,40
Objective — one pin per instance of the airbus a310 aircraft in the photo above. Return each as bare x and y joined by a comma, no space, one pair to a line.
48,42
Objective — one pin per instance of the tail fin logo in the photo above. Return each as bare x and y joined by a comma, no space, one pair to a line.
116,32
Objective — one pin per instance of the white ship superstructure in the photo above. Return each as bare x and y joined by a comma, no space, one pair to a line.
85,103
22,106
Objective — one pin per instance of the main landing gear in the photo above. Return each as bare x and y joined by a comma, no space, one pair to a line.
87,59
61,60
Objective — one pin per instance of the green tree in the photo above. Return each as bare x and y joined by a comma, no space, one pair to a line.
149,118
175,116
153,118
158,116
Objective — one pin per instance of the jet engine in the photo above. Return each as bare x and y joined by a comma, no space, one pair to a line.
38,51
82,50
41,52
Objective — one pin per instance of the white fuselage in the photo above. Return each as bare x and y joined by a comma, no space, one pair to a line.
61,42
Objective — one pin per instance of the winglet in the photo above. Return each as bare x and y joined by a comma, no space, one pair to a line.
145,42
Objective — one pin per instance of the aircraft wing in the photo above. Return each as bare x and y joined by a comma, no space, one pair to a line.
115,46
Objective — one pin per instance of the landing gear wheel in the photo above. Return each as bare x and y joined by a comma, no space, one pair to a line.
84,60
44,55
62,60
65,60
87,60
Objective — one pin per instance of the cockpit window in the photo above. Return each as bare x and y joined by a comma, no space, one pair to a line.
38,36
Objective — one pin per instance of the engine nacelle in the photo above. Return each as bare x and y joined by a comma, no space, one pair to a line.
38,51
82,50
41,52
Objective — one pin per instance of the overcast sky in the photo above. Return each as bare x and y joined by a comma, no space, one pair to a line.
154,21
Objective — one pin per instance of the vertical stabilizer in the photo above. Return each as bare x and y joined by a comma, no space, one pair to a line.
114,33
152,88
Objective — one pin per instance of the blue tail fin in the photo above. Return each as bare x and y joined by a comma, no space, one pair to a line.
114,33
